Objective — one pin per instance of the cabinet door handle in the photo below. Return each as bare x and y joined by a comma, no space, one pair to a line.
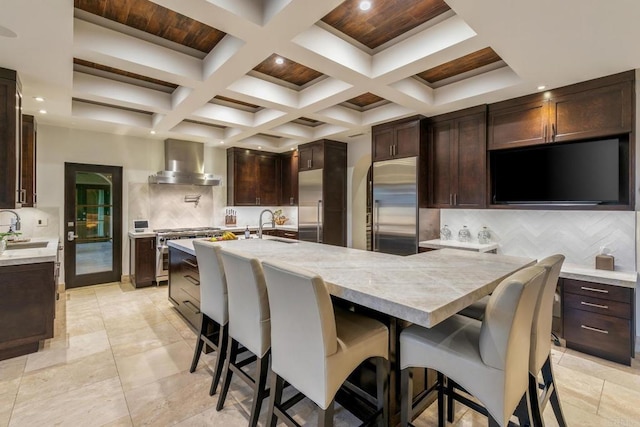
553,132
391,151
189,263
291,201
23,196
586,288
545,133
192,279
450,199
455,199
309,164
191,306
589,304
258,200
589,328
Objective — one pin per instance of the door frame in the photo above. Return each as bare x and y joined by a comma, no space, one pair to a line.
71,279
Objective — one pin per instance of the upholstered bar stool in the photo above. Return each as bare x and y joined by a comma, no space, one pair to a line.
540,351
315,347
488,359
249,326
213,306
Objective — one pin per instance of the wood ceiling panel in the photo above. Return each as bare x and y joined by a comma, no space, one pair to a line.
365,100
204,124
289,71
308,122
461,65
118,107
154,19
235,101
386,20
119,72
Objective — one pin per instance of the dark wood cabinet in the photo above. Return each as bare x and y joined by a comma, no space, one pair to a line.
253,178
142,261
596,108
289,178
10,139
184,286
311,156
457,159
598,319
28,161
27,307
396,139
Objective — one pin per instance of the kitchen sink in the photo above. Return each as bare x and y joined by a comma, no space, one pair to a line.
26,245
283,241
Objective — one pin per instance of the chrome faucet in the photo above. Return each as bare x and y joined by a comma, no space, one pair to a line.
273,222
14,226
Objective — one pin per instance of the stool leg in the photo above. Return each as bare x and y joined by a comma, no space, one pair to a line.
325,416
382,385
549,380
275,385
441,401
199,345
223,338
536,410
260,391
232,354
406,390
450,402
523,411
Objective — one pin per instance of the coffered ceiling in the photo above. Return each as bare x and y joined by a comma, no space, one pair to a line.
277,73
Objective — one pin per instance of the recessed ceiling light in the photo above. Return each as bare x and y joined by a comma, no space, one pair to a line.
279,60
365,5
38,98
153,132
259,147
291,149
43,111
542,87
221,142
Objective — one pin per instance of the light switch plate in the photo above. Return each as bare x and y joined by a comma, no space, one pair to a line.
42,222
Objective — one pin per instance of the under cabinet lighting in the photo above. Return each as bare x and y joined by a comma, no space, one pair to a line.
365,5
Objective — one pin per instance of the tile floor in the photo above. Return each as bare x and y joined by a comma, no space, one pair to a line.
120,357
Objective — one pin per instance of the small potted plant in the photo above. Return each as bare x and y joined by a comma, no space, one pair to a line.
4,237
279,218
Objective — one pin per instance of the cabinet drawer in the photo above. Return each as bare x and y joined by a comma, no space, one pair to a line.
597,305
189,307
597,290
598,334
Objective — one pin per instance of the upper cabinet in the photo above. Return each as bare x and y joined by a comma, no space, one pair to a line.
10,139
457,159
253,177
596,108
311,156
396,139
289,178
28,161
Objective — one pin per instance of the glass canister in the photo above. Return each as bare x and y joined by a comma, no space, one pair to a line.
464,235
484,236
445,233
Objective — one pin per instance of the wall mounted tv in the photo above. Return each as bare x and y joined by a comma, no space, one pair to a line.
578,173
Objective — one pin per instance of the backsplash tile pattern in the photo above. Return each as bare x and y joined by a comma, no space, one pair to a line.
537,233
249,215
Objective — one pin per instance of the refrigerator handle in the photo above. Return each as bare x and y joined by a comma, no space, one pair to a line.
376,225
319,223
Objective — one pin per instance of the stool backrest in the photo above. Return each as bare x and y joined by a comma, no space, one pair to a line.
249,317
213,283
505,334
543,314
303,327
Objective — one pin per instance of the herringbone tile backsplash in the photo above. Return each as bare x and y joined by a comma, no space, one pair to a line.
578,235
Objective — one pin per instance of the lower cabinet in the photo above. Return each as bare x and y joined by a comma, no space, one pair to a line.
598,319
184,286
27,307
142,261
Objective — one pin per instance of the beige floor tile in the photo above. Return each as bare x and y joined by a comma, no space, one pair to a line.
95,404
153,365
8,392
620,405
143,339
49,382
610,371
171,399
126,323
180,324
13,368
228,417
578,388
66,350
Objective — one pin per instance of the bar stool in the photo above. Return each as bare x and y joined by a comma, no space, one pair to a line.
249,326
213,306
315,347
540,351
488,359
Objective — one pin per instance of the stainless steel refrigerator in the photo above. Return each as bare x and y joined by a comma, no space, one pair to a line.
395,206
310,209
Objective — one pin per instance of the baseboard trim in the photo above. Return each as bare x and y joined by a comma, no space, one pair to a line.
125,278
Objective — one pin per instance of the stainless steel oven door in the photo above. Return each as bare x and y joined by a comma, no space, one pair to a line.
162,263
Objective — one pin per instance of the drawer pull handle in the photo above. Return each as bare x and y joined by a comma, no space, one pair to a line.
191,306
589,328
189,263
192,279
589,304
586,288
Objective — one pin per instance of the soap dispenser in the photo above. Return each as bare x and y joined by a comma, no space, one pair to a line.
247,233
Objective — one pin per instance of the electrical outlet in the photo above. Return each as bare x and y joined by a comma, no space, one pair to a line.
42,222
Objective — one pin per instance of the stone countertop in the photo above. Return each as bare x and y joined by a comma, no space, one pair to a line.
454,244
141,234
31,255
424,288
625,279
254,228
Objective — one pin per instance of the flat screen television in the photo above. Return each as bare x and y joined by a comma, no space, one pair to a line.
589,173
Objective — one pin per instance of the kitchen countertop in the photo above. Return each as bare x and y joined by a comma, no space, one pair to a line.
31,255
238,229
424,288
455,244
625,279
141,234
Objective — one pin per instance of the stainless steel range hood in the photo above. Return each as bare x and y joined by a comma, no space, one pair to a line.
184,164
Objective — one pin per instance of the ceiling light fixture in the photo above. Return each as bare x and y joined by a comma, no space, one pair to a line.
221,142
259,147
542,87
279,60
153,132
38,98
43,111
365,5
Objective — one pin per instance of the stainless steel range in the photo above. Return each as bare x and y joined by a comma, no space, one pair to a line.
163,235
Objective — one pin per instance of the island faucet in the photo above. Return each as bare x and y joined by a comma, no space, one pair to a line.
273,222
14,226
